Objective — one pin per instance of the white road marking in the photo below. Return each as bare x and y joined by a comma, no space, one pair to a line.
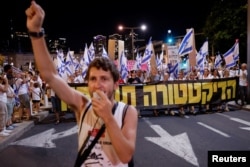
179,144
247,123
245,128
213,129
45,139
241,121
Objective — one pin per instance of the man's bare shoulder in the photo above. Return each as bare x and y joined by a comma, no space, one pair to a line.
131,113
79,101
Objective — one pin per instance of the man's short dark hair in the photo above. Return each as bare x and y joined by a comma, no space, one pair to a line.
105,64
7,67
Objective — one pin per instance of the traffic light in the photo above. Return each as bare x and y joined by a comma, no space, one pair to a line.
170,40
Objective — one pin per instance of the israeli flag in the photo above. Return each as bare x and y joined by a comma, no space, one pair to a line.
186,45
148,53
123,67
201,55
218,61
229,57
91,52
174,70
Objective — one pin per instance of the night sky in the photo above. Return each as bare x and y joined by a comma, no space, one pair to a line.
79,21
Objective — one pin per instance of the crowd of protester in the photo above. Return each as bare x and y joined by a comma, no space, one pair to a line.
142,77
24,90
21,94
163,74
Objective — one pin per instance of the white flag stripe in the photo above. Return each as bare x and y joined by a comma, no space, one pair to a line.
186,45
218,61
147,53
104,52
201,56
123,67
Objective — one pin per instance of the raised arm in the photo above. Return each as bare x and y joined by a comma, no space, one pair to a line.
35,17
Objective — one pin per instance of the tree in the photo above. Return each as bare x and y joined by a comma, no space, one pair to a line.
226,23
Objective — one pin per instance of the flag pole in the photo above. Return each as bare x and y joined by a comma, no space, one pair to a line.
237,40
192,54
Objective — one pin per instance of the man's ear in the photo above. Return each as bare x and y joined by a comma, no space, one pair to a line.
116,85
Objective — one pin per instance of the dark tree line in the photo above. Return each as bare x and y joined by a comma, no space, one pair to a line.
227,22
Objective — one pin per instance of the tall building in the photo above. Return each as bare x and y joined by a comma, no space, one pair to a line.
115,46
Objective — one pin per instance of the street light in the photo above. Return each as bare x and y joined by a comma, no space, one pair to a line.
170,39
142,27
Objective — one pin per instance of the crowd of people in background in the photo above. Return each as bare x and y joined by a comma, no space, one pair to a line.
19,88
141,77
164,73
21,95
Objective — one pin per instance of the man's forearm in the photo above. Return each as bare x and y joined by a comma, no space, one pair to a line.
42,57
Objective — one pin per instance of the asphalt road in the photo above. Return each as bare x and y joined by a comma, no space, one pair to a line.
161,141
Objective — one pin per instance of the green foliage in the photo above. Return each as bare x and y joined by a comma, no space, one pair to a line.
226,23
